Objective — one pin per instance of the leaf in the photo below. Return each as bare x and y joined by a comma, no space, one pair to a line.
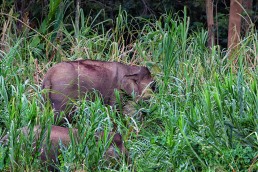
43,27
35,41
53,5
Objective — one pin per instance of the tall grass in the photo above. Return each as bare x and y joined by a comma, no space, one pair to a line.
203,117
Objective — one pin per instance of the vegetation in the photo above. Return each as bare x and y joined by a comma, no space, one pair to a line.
202,118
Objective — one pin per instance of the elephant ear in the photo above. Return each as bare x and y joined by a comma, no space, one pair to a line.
129,84
139,72
132,79
135,70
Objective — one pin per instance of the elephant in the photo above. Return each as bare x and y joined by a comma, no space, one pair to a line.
72,80
49,153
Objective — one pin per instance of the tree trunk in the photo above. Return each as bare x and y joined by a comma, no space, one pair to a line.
210,22
234,24
247,4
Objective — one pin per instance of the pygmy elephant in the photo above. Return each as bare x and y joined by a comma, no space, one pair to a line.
71,80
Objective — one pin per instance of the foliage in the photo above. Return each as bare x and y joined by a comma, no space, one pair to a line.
41,14
203,117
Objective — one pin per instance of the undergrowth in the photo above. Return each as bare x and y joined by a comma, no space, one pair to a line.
203,117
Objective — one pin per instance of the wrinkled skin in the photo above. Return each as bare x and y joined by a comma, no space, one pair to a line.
72,80
58,134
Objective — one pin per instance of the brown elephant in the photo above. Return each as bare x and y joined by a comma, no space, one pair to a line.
49,154
68,81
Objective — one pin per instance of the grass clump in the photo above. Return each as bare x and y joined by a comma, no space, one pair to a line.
203,117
